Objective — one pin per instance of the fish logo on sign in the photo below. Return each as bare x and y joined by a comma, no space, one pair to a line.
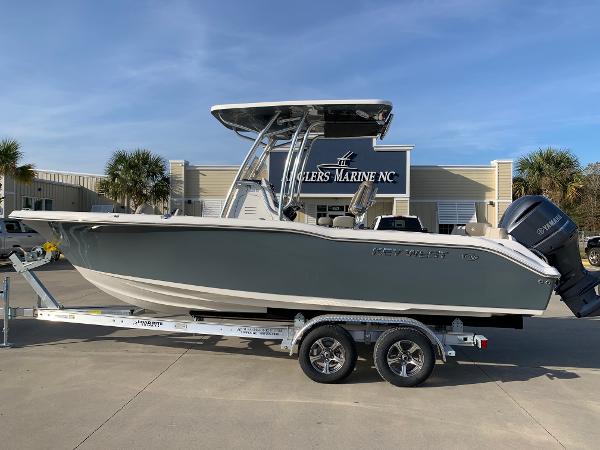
342,163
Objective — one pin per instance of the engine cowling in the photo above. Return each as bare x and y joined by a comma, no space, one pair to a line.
538,224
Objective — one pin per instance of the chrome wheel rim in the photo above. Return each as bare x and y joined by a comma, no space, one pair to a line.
405,358
594,257
327,355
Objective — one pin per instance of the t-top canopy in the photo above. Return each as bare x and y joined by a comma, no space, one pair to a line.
332,118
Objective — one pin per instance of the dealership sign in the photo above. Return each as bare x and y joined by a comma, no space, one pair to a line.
343,172
338,166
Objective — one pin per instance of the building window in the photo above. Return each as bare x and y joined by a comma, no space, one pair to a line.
453,214
27,203
37,204
331,211
321,211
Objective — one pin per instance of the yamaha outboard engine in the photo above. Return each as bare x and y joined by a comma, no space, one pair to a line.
537,223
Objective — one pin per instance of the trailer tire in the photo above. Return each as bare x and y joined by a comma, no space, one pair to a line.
327,354
594,256
404,357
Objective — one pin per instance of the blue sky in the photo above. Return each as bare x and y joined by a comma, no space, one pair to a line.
470,80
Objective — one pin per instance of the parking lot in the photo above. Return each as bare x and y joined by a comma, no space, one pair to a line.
78,386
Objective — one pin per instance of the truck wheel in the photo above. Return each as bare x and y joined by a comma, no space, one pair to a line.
594,257
327,354
404,357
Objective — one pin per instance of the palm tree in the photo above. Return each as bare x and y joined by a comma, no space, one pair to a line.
520,187
553,173
589,206
10,155
138,177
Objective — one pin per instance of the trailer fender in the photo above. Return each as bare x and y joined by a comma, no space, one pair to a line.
377,320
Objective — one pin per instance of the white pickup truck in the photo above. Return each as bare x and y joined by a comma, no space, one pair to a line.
15,235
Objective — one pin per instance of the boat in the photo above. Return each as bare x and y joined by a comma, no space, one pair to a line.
256,260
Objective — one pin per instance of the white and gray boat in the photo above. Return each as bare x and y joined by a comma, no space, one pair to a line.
255,259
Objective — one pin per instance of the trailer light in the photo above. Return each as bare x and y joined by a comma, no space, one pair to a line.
480,341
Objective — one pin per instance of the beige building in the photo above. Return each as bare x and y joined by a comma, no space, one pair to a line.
441,196
54,190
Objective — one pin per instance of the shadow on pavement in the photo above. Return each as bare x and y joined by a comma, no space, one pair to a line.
26,333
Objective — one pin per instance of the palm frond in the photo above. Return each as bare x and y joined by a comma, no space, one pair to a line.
24,174
519,187
550,172
10,157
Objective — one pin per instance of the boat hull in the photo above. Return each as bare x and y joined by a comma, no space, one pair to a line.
248,269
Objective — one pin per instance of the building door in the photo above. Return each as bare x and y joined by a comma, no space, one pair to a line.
332,211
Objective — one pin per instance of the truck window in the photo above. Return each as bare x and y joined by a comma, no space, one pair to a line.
12,226
26,229
400,224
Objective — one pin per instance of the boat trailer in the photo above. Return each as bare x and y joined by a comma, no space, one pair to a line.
405,348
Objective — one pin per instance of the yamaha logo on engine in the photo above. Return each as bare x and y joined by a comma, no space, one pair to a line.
541,230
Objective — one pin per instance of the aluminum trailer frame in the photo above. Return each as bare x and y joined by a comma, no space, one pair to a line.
362,328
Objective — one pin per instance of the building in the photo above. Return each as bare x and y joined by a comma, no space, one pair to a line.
442,196
54,190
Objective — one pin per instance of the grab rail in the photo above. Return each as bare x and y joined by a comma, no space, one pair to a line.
288,162
242,168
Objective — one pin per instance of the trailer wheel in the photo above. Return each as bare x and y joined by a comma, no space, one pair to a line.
404,357
327,354
594,257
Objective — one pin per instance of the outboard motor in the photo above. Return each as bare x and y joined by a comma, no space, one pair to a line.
538,224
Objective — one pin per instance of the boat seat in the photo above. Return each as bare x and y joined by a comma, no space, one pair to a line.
476,229
485,230
343,222
496,233
324,221
459,230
